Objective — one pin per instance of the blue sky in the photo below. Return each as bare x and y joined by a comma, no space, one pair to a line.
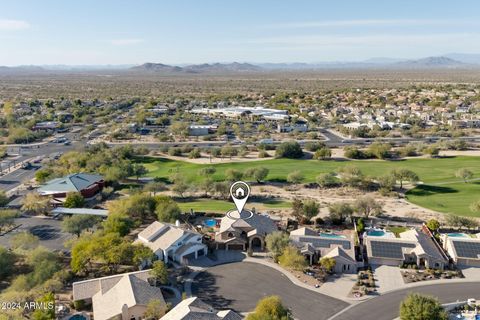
189,31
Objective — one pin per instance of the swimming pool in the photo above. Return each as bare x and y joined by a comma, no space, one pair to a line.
77,317
331,235
457,235
210,223
376,233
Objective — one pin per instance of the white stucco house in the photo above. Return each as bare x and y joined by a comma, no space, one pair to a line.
172,243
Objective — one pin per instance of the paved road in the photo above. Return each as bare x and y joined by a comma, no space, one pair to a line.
239,286
386,307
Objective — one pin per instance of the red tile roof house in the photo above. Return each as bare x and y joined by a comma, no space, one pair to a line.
87,184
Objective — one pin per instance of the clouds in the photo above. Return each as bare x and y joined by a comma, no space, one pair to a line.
126,42
11,25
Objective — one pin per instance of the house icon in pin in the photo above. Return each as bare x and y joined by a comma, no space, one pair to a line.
240,193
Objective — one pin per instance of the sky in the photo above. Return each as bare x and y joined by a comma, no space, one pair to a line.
98,32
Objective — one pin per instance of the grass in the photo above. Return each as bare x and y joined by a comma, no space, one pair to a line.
396,230
440,190
210,205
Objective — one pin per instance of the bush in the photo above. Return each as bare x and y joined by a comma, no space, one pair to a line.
289,149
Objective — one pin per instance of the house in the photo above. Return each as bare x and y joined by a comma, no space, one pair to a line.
464,250
87,184
201,130
193,309
411,247
245,230
289,127
315,246
47,126
172,243
123,296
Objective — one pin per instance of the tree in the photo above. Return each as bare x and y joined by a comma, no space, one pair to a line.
77,223
194,154
139,170
207,171
297,208
7,259
24,241
387,182
3,199
289,149
35,203
154,187
155,310
228,151
310,209
295,177
74,200
160,272
167,210
326,180
367,206
270,308
7,216
380,150
464,174
142,253
323,153
433,225
42,175
339,211
276,243
257,173
180,184
328,263
419,307
118,222
48,311
291,258
233,175
179,128
351,176
432,150
360,225
461,222
402,175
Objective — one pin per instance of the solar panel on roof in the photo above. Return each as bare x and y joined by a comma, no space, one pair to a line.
325,243
467,249
389,249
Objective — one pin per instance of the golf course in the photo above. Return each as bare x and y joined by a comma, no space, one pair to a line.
439,189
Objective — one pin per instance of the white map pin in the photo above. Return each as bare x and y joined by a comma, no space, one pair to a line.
240,191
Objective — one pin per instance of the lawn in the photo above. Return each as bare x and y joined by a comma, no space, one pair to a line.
209,205
441,190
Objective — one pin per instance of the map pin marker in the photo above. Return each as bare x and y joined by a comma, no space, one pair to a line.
240,191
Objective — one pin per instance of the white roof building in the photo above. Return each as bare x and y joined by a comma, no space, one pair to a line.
170,242
195,309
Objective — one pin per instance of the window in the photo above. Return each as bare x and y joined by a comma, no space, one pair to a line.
230,235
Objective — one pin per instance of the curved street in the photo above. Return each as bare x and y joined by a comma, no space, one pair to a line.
239,286
386,306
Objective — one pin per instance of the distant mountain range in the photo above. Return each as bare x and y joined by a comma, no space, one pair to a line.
447,61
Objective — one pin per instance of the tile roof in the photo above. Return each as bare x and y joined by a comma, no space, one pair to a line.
195,309
72,183
160,235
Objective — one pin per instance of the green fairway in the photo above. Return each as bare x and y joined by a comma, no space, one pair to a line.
441,190
209,205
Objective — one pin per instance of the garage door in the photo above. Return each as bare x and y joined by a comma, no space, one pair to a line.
235,247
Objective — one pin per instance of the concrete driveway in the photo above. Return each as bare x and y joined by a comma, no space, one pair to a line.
239,286
387,278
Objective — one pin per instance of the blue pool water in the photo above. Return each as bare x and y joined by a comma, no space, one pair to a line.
457,235
77,317
376,233
331,235
210,223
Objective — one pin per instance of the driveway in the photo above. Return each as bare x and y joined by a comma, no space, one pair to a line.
240,285
387,278
386,307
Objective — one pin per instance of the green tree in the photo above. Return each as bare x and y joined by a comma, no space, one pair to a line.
142,253
461,222
229,151
291,258
276,242
48,311
35,203
167,210
139,170
233,175
77,223
295,177
180,184
24,241
464,174
207,171
402,175
257,173
74,200
323,153
367,206
7,260
419,307
328,263
360,225
154,187
380,150
326,180
155,310
433,225
339,211
351,176
270,308
4,200
310,209
118,222
289,149
160,272
7,216
42,175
